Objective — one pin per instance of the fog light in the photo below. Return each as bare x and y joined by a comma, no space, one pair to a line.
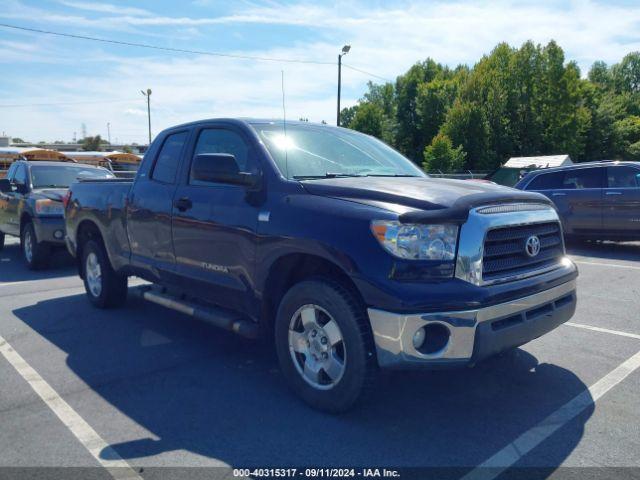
58,234
418,338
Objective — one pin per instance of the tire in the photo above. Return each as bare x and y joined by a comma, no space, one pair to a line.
35,254
351,361
1,241
104,287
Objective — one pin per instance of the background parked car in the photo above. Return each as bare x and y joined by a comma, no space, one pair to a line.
598,200
31,204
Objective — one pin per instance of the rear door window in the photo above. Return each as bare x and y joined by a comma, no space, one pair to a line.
169,157
623,177
547,181
582,178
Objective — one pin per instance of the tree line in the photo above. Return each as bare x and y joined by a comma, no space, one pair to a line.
513,102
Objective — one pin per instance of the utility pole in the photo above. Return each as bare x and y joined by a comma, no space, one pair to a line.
345,50
109,133
148,95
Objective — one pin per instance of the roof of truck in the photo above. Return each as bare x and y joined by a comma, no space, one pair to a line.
253,121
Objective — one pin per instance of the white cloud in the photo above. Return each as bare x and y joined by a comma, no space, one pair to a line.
136,112
104,8
385,40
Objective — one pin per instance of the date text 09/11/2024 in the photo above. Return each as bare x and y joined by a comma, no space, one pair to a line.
316,472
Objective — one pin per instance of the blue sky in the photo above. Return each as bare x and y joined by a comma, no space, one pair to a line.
386,38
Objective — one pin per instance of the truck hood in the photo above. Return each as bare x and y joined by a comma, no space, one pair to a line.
428,199
55,194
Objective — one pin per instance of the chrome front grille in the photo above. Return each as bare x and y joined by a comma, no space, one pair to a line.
491,244
505,253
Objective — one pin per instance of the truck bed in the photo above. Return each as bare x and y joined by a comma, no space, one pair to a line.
103,201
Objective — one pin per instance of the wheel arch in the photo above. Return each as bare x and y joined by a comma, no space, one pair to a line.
86,230
25,218
292,268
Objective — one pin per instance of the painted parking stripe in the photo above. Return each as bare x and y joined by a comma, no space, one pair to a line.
603,264
86,435
603,330
512,453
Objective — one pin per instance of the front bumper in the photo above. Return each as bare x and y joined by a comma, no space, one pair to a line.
469,335
49,229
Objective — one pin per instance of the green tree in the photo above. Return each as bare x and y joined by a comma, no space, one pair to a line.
440,156
466,125
626,74
626,137
368,119
92,144
432,103
346,116
600,75
409,138
513,102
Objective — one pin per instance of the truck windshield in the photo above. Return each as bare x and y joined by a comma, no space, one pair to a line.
310,152
61,176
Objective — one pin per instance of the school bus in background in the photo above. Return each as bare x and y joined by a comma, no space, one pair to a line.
122,164
8,155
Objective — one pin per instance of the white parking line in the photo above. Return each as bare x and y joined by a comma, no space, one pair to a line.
512,453
603,264
86,435
603,330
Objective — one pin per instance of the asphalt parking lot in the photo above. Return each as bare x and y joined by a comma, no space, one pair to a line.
157,389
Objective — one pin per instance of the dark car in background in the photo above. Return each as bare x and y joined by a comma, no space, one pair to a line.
596,200
31,204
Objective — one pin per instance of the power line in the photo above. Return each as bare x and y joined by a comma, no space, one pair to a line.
167,49
55,104
196,52
366,73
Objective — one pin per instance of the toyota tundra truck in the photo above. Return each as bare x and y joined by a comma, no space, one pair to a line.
330,244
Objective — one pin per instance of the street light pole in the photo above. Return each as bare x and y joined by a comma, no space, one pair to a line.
148,95
345,50
109,133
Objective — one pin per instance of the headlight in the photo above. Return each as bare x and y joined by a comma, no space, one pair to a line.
415,241
49,207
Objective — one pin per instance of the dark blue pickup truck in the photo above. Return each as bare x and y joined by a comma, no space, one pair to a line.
331,243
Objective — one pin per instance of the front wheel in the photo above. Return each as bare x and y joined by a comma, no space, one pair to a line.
105,288
324,345
35,254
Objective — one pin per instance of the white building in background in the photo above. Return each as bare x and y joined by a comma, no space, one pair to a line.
544,161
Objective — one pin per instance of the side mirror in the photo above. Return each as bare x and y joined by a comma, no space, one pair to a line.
5,185
221,168
20,187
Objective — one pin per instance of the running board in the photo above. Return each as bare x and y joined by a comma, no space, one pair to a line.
217,317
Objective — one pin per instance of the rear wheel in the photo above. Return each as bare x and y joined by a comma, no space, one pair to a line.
324,345
105,288
35,254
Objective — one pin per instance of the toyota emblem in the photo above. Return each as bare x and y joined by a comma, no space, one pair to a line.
532,246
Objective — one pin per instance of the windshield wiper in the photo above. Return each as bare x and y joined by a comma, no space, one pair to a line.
389,175
51,186
326,175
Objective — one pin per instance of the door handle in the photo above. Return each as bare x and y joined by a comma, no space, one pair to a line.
613,193
183,204
558,194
